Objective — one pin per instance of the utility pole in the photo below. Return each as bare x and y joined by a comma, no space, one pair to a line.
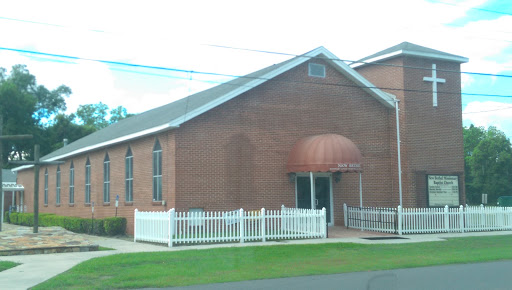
37,164
5,137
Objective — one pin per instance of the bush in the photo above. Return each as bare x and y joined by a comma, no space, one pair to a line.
73,224
26,219
14,218
110,226
114,226
6,217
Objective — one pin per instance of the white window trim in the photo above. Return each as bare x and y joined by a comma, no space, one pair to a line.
88,183
129,179
72,185
46,187
310,65
106,181
156,175
57,186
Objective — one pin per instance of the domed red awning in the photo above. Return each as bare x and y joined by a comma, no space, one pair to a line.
325,153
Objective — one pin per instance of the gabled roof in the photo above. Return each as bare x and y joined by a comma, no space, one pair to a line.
176,113
407,48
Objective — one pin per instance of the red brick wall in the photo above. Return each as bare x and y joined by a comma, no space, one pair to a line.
235,155
431,137
142,184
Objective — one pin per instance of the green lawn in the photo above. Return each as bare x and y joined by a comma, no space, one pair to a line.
165,269
4,265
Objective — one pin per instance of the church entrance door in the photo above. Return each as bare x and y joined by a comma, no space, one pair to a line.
321,195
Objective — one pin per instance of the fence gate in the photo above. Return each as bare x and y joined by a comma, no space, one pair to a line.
372,218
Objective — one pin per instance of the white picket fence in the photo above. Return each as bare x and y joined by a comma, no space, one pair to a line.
429,220
233,226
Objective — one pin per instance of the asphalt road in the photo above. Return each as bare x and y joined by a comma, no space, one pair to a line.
492,275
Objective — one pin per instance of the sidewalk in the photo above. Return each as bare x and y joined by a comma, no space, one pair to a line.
35,269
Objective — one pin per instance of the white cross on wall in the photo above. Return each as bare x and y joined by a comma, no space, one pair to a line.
434,81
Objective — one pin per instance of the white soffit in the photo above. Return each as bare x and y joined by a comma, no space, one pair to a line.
458,59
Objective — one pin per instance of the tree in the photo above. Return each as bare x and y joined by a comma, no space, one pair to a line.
63,127
29,108
488,164
119,113
95,115
26,106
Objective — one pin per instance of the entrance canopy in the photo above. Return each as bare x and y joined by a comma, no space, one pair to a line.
12,186
325,153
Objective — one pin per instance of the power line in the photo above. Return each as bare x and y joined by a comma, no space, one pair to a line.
476,112
472,8
355,61
238,76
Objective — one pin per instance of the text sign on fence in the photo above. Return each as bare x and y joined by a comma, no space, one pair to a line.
443,190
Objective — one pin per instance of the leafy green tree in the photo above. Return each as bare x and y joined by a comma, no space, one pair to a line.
64,127
488,162
95,115
117,114
25,106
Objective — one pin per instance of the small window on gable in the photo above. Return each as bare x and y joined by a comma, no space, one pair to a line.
316,70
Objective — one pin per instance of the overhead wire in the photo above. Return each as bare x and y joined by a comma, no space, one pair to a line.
472,8
235,76
238,76
357,61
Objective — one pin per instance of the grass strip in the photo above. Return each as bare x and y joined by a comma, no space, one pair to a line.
4,265
167,269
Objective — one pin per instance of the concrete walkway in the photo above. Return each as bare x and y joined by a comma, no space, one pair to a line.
35,269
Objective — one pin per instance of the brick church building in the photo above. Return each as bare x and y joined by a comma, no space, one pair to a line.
302,133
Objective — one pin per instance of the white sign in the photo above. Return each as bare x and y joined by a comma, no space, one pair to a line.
232,217
443,190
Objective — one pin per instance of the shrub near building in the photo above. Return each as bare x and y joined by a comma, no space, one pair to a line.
110,226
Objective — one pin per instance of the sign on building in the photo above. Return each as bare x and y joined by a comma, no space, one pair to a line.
443,190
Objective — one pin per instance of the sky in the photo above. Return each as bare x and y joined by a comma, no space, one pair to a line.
177,36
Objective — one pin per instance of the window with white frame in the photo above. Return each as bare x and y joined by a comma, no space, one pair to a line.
57,187
157,171
88,181
46,187
106,179
316,70
129,175
72,183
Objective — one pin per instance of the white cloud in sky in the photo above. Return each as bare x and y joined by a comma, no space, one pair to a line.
485,114
170,34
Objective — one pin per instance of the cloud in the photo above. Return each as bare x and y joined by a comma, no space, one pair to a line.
170,34
489,113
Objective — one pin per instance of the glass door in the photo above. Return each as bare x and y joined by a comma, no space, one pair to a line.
322,195
303,192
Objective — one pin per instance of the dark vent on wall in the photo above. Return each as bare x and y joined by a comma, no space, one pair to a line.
316,70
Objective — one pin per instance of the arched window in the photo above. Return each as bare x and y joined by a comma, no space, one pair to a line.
129,175
46,186
72,183
87,181
57,186
106,179
157,171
